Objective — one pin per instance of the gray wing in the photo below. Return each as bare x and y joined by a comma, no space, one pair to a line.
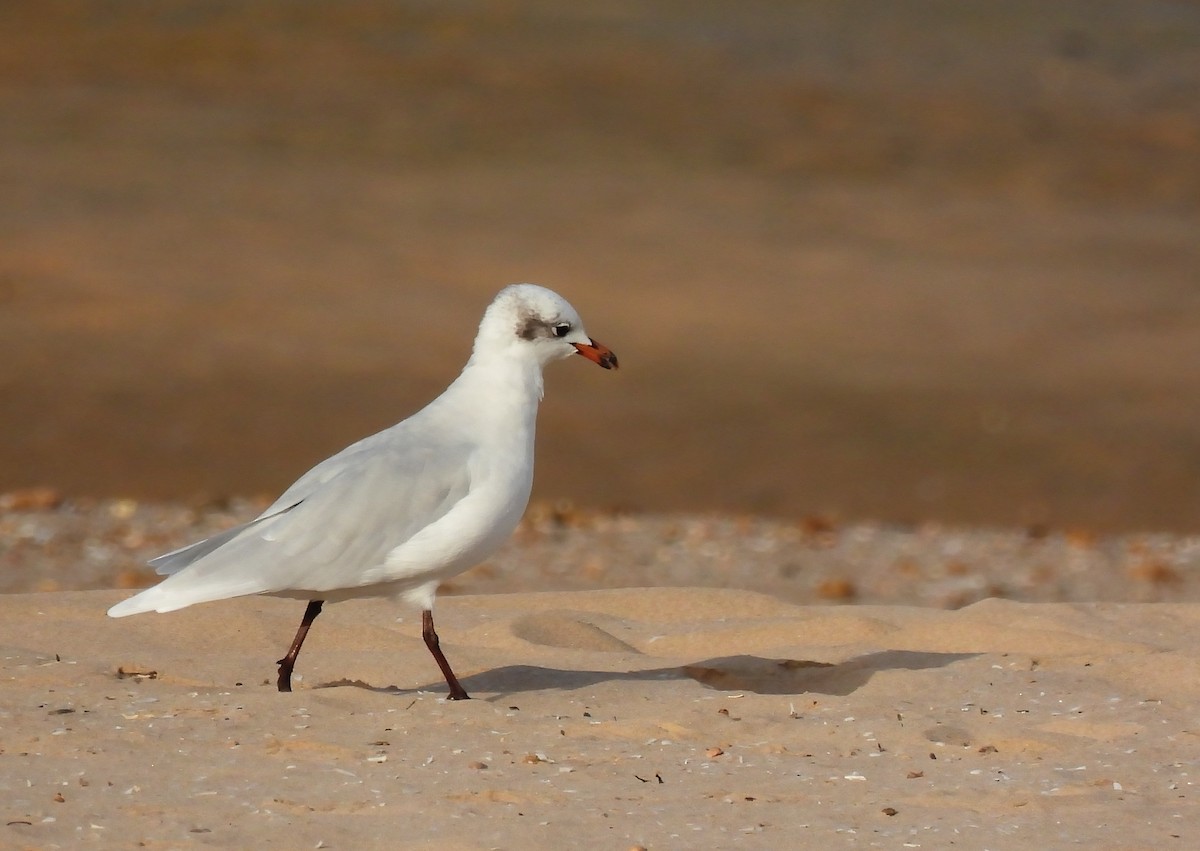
177,560
352,456
340,519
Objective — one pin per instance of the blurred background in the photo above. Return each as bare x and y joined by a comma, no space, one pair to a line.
937,260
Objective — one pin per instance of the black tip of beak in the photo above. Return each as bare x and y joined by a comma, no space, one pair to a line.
597,353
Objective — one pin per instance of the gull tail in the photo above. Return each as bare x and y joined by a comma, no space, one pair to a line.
193,577
171,595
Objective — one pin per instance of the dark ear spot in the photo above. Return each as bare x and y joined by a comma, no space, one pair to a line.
530,327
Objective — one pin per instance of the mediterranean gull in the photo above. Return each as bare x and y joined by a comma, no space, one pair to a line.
395,514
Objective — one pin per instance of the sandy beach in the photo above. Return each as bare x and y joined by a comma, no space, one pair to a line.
873,691
653,718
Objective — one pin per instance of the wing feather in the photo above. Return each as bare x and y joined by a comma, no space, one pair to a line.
323,534
177,560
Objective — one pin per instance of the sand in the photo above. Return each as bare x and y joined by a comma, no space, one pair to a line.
659,718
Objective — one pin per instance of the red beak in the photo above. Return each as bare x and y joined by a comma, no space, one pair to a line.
597,353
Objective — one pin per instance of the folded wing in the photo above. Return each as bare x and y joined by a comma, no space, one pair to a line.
324,533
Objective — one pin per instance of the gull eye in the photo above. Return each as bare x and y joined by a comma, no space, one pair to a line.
562,329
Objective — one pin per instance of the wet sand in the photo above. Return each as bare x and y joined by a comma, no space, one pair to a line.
931,266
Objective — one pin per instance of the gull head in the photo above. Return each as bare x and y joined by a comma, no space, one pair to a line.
534,322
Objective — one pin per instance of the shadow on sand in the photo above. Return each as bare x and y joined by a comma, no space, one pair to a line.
727,673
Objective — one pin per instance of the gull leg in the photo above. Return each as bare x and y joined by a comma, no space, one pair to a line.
457,692
289,661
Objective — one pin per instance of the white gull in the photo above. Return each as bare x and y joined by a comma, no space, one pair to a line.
395,514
